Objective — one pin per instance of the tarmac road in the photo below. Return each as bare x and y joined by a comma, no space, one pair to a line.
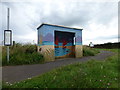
13,74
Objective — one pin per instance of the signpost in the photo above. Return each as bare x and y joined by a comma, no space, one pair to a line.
8,37
7,41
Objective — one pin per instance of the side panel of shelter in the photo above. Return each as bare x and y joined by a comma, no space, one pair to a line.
46,43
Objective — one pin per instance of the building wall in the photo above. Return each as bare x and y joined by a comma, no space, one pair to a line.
47,51
78,51
46,41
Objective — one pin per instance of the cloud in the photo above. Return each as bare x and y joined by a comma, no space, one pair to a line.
96,18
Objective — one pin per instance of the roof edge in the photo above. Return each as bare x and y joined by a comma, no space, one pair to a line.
57,26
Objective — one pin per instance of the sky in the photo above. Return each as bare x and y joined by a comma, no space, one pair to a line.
98,19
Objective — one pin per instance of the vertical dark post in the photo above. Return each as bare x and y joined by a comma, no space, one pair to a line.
13,43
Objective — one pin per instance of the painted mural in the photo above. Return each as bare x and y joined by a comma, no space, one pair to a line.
58,42
64,44
79,39
48,39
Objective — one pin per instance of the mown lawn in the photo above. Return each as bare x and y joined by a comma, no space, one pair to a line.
90,74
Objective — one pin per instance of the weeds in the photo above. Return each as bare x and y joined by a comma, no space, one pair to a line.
22,54
87,51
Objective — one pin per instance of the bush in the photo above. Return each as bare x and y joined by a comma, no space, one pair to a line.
22,54
27,54
87,51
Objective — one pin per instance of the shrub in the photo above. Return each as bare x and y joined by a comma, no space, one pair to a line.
22,54
87,51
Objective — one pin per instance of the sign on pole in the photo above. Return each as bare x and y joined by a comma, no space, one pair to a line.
7,37
7,41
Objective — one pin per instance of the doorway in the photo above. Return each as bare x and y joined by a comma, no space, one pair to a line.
64,44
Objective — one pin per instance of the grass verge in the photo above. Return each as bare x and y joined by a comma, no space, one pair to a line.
90,74
27,54
22,54
87,51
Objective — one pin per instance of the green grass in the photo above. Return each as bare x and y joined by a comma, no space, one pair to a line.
113,50
22,54
90,74
27,54
87,51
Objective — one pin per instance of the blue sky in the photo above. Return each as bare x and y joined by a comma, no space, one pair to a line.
99,19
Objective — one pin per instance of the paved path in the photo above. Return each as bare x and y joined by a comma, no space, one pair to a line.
13,74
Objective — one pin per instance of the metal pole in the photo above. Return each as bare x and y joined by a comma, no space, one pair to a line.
8,29
8,53
8,20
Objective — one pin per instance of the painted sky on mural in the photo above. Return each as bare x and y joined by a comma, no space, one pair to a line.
99,20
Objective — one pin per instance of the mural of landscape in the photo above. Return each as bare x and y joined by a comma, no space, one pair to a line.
64,44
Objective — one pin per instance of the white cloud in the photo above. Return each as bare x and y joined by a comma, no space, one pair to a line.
27,38
99,33
98,20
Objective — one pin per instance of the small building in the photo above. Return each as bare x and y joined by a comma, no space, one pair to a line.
91,45
55,41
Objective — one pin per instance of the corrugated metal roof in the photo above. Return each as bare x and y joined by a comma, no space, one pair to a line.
57,26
